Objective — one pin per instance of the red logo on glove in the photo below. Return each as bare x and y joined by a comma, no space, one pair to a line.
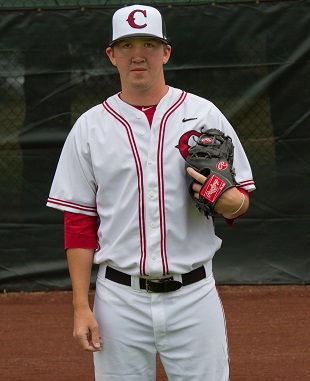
212,188
221,165
206,140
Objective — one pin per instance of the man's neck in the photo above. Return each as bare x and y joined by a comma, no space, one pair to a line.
144,97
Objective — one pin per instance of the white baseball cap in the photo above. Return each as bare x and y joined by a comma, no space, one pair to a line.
137,21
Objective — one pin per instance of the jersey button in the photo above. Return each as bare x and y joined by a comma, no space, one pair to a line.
149,162
151,194
141,133
152,225
139,116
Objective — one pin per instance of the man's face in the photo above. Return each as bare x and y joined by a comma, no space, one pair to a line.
139,62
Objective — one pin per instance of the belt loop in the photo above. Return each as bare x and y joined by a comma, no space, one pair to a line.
208,268
135,283
177,277
102,270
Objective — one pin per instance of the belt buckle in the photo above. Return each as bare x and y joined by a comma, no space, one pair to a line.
168,283
156,280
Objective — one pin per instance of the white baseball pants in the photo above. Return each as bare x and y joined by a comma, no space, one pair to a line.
186,327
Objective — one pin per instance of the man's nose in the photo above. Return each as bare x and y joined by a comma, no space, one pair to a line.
138,55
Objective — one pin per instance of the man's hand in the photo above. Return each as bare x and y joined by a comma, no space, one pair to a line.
229,201
212,156
86,330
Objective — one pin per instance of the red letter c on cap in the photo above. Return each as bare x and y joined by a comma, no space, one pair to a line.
131,19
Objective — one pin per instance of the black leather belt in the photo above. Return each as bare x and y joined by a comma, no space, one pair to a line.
162,284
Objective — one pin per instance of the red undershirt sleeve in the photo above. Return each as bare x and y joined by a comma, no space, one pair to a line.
230,222
80,231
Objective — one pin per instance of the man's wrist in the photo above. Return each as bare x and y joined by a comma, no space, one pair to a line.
241,206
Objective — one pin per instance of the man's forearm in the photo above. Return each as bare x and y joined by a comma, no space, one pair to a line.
85,325
80,264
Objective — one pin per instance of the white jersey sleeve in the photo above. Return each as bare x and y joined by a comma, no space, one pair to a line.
74,186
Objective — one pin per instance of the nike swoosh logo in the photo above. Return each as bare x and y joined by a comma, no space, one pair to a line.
146,108
187,120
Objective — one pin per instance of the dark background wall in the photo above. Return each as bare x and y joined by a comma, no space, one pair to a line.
251,59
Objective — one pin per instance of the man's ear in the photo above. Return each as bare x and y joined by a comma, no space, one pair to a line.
167,52
110,54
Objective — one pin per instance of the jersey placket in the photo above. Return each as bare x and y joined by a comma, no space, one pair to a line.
157,255
153,260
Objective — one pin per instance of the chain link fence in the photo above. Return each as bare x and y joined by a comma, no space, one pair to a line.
35,4
12,116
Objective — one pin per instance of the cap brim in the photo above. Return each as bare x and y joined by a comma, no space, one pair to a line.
137,35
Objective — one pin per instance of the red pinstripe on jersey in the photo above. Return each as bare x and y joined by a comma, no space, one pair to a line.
72,205
136,156
244,184
160,167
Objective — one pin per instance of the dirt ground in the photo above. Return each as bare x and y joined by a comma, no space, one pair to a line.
268,335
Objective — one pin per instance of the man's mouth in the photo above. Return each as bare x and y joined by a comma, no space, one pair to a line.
138,69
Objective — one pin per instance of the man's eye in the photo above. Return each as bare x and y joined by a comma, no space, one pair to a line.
125,45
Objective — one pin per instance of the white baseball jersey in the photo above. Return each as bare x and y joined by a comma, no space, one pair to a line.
133,177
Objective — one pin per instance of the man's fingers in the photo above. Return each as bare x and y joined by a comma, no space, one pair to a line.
196,175
89,340
86,331
82,339
200,180
95,339
196,187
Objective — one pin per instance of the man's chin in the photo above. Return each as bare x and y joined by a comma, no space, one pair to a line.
140,86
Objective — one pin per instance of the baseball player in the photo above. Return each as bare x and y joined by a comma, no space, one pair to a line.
121,183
